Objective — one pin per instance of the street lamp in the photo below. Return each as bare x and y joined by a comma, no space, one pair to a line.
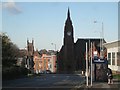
101,37
54,45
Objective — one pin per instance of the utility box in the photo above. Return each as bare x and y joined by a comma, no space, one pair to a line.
100,70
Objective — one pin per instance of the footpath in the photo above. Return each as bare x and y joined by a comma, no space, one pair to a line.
101,86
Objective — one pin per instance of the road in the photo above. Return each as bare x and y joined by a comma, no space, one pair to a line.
46,81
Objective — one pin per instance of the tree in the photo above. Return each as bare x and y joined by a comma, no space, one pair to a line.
9,51
10,54
43,51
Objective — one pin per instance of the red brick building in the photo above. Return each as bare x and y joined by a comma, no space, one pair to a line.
44,62
48,62
37,62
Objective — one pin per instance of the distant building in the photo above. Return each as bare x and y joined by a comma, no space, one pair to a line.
19,61
113,55
44,62
37,62
80,51
71,56
22,57
48,62
30,55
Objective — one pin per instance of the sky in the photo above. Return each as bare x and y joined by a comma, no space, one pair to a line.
44,22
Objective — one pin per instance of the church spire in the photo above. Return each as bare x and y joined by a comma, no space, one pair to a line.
68,14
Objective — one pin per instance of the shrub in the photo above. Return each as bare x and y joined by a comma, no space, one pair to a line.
14,72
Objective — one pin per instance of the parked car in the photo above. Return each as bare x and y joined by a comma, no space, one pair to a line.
41,72
47,72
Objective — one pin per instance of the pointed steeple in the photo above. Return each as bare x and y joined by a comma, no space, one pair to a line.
32,41
68,14
27,41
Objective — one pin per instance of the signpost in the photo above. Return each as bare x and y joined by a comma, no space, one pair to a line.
98,60
94,60
100,69
91,63
86,66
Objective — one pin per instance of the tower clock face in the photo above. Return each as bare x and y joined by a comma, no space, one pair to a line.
68,33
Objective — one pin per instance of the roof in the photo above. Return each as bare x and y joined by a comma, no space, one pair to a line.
95,40
81,43
112,44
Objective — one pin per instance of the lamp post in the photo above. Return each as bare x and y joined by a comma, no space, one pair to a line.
102,35
54,45
101,39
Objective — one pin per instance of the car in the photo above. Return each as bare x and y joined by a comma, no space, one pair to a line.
47,72
41,72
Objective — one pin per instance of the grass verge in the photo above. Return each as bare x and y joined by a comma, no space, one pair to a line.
116,76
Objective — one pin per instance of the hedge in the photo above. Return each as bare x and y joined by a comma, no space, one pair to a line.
13,72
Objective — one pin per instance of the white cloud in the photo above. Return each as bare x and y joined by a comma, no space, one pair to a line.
11,7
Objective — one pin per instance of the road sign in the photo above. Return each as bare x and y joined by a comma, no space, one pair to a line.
98,60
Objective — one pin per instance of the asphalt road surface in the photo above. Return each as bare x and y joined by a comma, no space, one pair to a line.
46,81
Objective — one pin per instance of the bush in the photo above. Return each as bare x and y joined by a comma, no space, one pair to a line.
13,72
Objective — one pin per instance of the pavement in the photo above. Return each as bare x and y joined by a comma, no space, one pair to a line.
101,85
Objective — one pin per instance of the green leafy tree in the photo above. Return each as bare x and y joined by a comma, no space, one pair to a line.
10,54
9,51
